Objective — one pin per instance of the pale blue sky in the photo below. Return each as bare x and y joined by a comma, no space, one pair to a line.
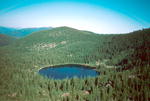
100,16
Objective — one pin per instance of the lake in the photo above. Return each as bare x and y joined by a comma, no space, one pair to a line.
68,71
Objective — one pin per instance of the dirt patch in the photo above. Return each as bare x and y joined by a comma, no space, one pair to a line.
65,94
63,42
41,46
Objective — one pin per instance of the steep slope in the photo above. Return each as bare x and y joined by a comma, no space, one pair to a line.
5,40
139,42
15,32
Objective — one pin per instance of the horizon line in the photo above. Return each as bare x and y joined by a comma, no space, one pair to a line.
19,28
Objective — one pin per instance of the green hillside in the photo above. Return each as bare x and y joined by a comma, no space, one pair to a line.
87,46
5,40
122,59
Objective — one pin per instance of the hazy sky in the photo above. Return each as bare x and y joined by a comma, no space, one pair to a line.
100,16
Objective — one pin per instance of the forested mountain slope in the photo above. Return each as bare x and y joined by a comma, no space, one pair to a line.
21,60
5,40
75,45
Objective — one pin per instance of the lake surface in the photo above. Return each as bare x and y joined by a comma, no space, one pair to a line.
68,71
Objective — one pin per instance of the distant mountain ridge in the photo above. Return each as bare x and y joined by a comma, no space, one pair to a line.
15,32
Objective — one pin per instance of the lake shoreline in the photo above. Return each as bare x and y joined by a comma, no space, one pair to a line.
69,71
62,65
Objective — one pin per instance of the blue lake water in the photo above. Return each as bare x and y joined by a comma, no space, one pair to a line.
68,71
